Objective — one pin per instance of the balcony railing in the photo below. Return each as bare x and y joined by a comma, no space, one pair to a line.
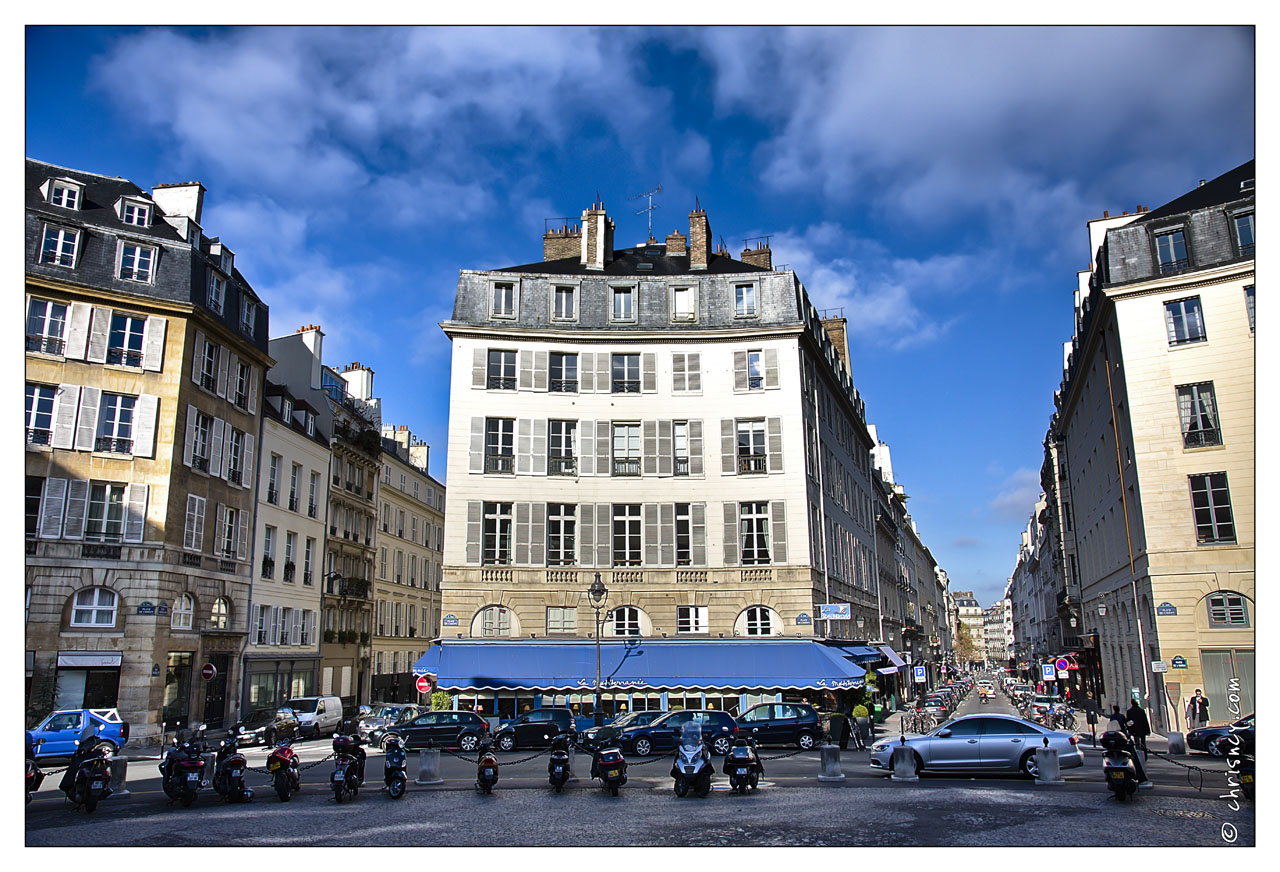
45,344
1246,250
200,463
100,551
499,462
208,381
287,572
311,510
293,504
191,560
501,383
755,383
241,400
38,436
233,475
273,495
31,547
111,445
1174,266
307,578
628,466
124,357
751,464
562,466
626,386
682,466
564,385
1201,438
356,588
268,567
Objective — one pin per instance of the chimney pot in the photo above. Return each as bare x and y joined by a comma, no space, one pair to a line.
1106,214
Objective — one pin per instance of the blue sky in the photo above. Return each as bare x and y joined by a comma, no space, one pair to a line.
933,182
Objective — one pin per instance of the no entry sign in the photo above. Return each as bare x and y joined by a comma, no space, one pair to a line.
208,672
423,683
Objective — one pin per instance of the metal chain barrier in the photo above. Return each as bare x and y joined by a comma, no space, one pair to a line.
523,759
651,760
1190,768
789,754
263,771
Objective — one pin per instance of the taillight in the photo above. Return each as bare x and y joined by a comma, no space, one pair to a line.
1075,740
735,730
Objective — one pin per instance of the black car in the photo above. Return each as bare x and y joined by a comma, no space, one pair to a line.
663,734
598,737
266,725
1241,739
781,723
1205,738
381,717
534,729
442,730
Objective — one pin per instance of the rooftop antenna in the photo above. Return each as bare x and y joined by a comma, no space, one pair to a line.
648,209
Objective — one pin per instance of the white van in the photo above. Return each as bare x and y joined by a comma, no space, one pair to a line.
317,715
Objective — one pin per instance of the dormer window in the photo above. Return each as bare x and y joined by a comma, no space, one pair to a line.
248,316
286,410
311,423
217,291
136,213
222,256
64,193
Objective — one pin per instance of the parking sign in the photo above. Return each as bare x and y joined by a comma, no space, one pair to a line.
919,674
1046,671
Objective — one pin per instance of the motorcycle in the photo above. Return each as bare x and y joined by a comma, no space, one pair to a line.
394,766
286,774
486,767
1118,765
348,766
608,765
34,775
692,769
88,776
558,765
742,765
182,768
229,768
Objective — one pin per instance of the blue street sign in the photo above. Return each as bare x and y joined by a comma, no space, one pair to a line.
1166,609
920,675
449,621
834,612
803,620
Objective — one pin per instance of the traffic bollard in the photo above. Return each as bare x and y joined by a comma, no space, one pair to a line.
1177,743
1047,770
119,773
210,759
904,764
830,770
429,767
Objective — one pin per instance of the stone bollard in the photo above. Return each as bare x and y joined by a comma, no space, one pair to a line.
1047,765
1177,743
572,757
429,767
119,772
904,764
830,770
210,760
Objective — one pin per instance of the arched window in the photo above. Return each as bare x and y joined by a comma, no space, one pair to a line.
757,621
184,610
626,621
220,616
1227,609
94,607
492,621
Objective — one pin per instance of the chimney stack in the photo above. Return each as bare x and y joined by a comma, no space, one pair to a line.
597,238
759,256
184,199
677,244
837,332
562,243
699,238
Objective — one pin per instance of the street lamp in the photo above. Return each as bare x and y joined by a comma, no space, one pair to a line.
861,622
598,593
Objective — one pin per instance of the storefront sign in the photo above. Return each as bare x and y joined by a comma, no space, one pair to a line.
1166,609
839,682
834,612
1178,662
146,608
803,620
612,682
449,621
88,659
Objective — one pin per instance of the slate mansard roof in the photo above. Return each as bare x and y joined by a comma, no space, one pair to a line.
627,262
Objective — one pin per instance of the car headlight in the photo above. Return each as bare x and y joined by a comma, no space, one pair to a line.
882,746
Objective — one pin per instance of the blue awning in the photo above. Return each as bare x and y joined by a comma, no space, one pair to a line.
641,664
860,653
893,656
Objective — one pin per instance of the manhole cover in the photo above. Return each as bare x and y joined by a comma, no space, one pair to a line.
1183,813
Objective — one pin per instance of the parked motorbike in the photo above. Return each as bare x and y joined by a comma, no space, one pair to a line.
742,765
88,776
182,768
558,764
692,769
486,767
395,766
348,766
34,775
286,773
1119,767
608,765
228,770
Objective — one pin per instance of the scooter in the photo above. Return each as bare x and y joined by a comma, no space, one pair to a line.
558,764
228,770
486,767
183,768
88,775
692,768
34,775
395,767
742,765
348,766
1118,766
608,765
286,774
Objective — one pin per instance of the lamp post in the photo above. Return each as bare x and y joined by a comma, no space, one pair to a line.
598,593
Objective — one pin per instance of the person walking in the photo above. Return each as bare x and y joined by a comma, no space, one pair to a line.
1197,711
1139,726
1091,713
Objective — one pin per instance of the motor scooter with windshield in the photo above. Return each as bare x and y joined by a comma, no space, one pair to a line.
692,768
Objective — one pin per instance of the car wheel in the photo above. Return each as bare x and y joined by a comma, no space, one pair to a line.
643,747
1214,749
468,742
720,745
805,740
1029,766
507,743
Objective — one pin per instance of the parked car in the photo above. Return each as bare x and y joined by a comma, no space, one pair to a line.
381,716
266,725
935,707
1205,739
534,729
597,737
317,715
663,734
1040,703
62,728
442,730
1222,746
781,723
982,743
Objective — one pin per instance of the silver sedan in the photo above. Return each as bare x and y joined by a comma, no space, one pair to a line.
985,743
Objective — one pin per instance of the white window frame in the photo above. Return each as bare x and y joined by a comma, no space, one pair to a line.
102,532
182,617
60,191
562,620
217,292
562,543
110,419
248,316
502,517
502,314
1222,611
45,319
65,248
692,313
495,621
753,523
630,290
626,621
102,600
220,614
133,331
40,395
692,620
136,273
575,290
758,621
740,309
135,212
631,517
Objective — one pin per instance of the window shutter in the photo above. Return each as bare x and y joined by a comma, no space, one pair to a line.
586,448
197,356
587,534
648,373
604,551
774,428
538,535
216,438
222,371
739,371
526,370
730,534
695,448
474,515
522,517
193,533
246,477
778,547
603,448
698,534
295,627
679,381
188,446
242,536
477,445
153,343
77,505
603,362
649,446
220,525
87,425
55,498
667,534
524,446
540,366
144,425
78,331
694,364
651,534
273,625
226,448
728,454
1168,322
135,500
65,403
540,446
586,372
253,390
665,448
479,367
99,333
770,368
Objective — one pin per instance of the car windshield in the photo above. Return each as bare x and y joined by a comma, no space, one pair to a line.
628,719
302,705
691,735
385,711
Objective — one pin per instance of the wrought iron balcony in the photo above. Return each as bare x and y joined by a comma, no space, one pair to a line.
1177,265
307,578
626,466
124,357
45,344
241,400
287,573
625,386
562,466
501,383
311,510
293,504
111,445
564,385
273,495
682,466
39,436
752,464
209,382
100,551
356,588
268,567
755,383
1201,438
233,475
499,463
200,463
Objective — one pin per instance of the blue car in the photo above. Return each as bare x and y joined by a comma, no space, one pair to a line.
61,730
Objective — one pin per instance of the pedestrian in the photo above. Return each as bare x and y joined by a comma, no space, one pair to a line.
1091,712
1197,711
1139,726
1118,720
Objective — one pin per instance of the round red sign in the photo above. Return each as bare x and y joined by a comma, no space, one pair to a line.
424,683
208,672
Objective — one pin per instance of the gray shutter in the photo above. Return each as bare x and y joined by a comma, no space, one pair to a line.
216,439
197,537
253,390
479,367
679,381
667,534
538,535
99,333
144,425
540,446
648,373
222,371
522,534
587,534
526,370
477,445
246,474
651,534
87,422
135,502
220,524
695,448
586,372
524,446
586,448
65,403
773,427
540,365
77,504
730,534
189,528
197,356
778,547
665,448
739,370
474,517
78,331
55,498
242,535
604,448
153,343
770,368
649,446
728,455
188,447
604,534
603,362
698,534
694,363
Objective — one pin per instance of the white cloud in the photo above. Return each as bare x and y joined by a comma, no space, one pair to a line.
1017,496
